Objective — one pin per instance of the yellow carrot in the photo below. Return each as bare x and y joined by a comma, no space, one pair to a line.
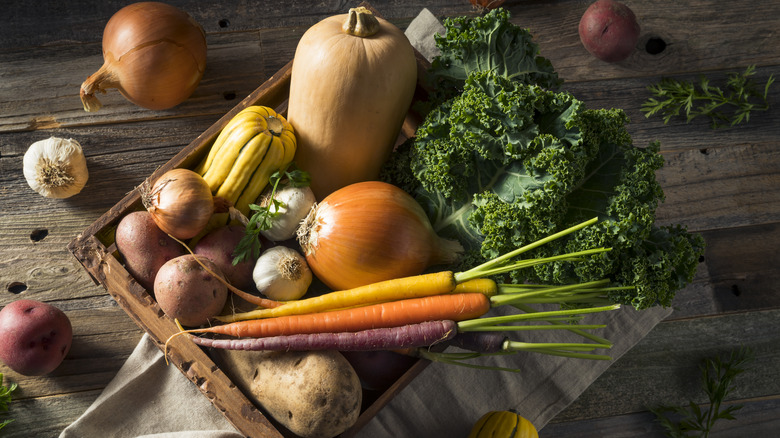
390,290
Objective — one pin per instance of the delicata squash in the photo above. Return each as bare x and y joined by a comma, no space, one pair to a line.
352,82
253,145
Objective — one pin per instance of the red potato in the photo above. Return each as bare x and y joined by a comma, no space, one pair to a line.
187,292
609,30
218,246
34,337
144,247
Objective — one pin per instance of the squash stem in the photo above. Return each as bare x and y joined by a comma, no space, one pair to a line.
360,22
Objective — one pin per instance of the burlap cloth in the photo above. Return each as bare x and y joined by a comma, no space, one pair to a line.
147,398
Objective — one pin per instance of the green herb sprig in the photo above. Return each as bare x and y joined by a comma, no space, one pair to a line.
728,107
263,216
717,379
5,399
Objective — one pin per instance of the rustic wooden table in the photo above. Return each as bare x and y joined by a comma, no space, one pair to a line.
723,184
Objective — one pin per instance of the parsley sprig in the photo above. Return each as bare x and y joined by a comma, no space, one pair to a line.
263,215
5,399
731,106
717,378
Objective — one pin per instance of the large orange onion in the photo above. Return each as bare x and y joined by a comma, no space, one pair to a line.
154,54
368,232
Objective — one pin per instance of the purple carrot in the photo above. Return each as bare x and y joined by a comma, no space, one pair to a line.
410,336
481,342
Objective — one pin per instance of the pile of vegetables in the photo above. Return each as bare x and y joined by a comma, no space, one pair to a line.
510,193
419,311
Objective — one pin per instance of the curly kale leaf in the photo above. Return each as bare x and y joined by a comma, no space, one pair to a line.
506,163
487,43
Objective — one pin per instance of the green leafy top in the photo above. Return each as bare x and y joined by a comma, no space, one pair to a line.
506,163
728,107
263,216
487,43
5,399
718,377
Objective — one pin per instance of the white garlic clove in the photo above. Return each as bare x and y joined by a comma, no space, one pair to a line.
56,167
282,274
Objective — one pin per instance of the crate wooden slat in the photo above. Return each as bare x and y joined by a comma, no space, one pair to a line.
95,250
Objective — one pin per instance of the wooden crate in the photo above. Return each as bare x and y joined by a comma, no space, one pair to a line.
96,251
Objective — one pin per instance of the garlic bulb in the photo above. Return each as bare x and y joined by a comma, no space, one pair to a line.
294,204
282,274
56,167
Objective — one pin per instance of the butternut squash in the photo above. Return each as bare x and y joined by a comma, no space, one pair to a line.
352,81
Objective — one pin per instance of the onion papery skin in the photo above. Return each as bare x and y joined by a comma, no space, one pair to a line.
154,54
180,202
368,232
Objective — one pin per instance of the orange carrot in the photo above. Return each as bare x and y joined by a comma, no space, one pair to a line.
456,307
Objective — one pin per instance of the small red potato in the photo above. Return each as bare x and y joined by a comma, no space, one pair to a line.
187,292
144,247
34,337
218,246
609,30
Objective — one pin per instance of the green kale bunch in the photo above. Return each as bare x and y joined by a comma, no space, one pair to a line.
505,163
490,42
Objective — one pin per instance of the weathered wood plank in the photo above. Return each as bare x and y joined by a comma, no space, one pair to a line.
720,183
700,36
29,25
755,418
663,367
47,416
629,94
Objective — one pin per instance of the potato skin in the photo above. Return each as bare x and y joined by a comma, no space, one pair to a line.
144,247
314,394
218,245
35,336
187,292
609,30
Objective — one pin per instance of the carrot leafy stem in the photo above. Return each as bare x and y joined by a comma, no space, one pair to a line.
263,215
731,106
5,399
717,379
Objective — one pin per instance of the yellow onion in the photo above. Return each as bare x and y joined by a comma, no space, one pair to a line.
180,202
371,231
153,53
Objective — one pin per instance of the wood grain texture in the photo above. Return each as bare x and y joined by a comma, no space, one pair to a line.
722,184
